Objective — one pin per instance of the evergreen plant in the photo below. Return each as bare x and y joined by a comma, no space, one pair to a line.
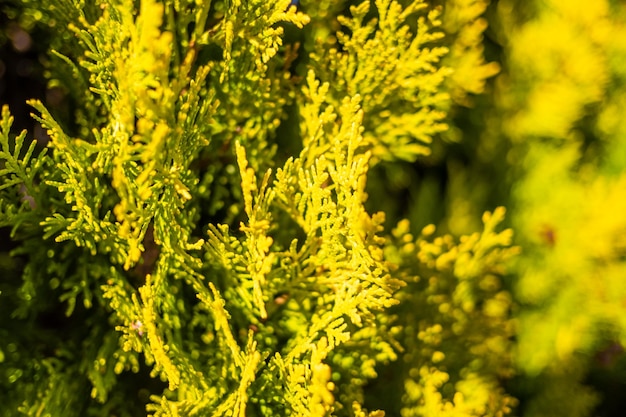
288,208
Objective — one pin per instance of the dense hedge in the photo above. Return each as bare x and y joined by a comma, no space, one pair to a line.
256,208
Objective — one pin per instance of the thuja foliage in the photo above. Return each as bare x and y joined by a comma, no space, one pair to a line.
568,128
552,131
208,232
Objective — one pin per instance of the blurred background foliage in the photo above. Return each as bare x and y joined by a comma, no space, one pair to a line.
535,123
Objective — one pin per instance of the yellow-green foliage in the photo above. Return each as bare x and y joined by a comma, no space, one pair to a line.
458,327
572,206
565,81
182,248
395,71
197,238
465,24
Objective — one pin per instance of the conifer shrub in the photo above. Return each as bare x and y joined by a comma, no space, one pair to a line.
287,208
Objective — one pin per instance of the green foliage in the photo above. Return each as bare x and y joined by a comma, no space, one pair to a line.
458,328
397,73
553,107
280,307
205,228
